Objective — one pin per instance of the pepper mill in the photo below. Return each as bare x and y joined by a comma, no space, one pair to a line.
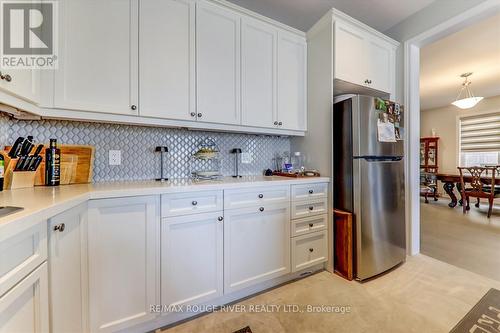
162,150
237,153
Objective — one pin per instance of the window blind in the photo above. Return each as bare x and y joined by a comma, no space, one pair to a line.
480,133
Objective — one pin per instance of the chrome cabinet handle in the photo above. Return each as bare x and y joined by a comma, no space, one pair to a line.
193,114
311,207
194,203
280,123
276,123
200,115
261,196
261,209
311,250
134,107
5,77
220,218
311,191
60,227
311,225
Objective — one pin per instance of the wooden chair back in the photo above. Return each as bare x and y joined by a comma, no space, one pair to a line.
477,186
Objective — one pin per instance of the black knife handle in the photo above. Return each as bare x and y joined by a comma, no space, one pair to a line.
16,147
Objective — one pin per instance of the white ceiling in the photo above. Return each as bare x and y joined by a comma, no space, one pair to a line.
302,14
474,49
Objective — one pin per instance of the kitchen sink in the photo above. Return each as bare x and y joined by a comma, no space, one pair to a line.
7,210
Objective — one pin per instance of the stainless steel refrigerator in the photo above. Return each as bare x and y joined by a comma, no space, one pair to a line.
368,180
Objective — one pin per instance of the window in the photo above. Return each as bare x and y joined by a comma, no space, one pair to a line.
480,140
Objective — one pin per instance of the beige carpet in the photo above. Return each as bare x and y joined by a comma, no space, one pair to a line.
422,295
470,241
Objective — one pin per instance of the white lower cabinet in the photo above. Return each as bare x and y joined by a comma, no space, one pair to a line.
123,243
256,245
25,307
68,271
309,250
192,255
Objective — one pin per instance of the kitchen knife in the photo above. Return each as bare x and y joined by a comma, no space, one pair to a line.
14,151
26,148
33,158
21,163
37,160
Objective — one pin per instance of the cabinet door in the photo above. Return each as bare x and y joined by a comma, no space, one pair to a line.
350,54
292,82
24,83
166,59
380,64
217,64
25,307
68,271
98,56
258,73
256,245
123,261
191,264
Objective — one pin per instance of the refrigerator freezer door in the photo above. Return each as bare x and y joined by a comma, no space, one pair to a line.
379,207
365,131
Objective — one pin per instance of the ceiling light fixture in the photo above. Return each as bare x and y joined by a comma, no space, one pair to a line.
468,100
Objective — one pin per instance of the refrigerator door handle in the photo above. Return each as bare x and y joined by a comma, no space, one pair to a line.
380,158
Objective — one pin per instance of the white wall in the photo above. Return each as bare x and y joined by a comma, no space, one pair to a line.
445,121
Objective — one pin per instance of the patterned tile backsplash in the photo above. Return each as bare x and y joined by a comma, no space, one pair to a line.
137,143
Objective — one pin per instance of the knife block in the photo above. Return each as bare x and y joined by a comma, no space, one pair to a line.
16,179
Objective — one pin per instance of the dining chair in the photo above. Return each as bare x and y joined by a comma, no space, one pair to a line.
477,188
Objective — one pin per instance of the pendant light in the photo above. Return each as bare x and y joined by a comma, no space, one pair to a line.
468,100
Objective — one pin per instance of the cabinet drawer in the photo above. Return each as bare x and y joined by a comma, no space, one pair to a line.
309,250
309,224
309,208
175,204
309,191
21,254
256,196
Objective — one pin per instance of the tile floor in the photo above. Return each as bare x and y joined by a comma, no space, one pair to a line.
423,295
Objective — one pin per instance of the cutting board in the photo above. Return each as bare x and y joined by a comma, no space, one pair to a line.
84,168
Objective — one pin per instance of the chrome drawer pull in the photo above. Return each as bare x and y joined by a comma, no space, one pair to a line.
311,191
261,209
311,250
311,207
194,203
261,196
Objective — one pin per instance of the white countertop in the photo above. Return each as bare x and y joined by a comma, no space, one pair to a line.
41,203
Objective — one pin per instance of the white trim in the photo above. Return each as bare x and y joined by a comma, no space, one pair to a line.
412,102
259,17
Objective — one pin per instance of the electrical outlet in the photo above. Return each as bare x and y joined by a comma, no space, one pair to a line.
115,157
246,158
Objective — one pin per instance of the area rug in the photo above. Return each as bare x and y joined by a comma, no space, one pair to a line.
484,317
244,330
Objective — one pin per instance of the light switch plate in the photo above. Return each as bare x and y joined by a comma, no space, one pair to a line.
115,157
246,158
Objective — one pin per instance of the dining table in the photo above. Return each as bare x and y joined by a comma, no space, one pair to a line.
450,181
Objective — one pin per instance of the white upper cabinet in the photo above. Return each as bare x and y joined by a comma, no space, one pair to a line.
258,73
381,65
350,65
23,83
98,56
292,82
217,64
364,57
166,59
